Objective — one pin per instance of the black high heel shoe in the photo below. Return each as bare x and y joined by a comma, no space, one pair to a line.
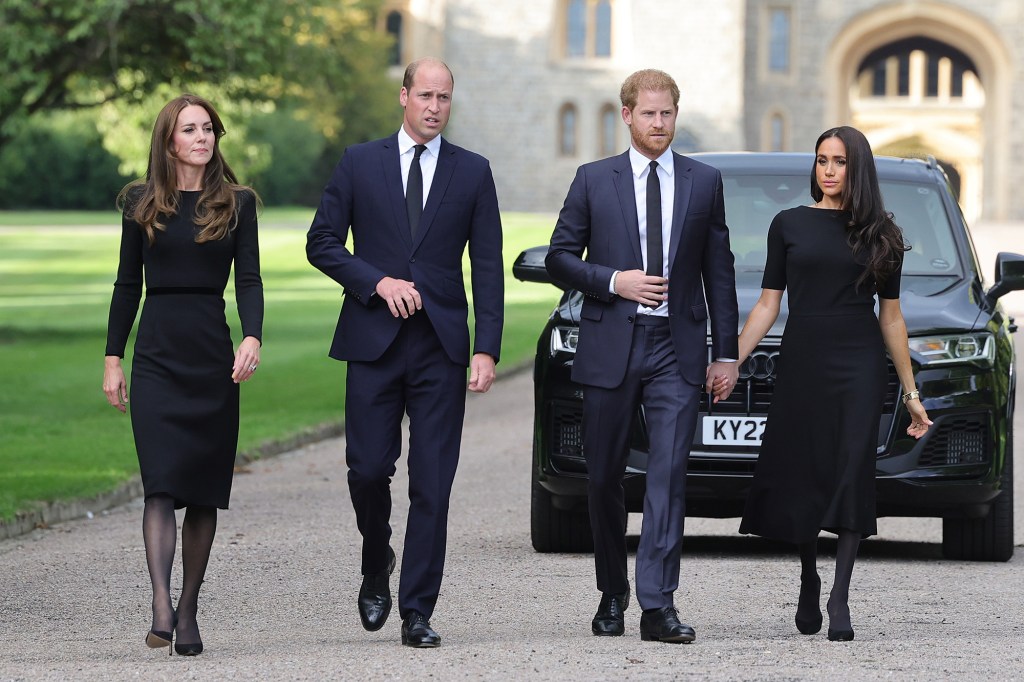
160,638
843,635
190,649
809,626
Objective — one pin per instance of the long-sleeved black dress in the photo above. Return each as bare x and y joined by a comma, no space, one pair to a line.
183,402
816,468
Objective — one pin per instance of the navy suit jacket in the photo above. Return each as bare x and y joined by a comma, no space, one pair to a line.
599,217
365,195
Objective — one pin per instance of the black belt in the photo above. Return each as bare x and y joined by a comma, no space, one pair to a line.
202,291
651,320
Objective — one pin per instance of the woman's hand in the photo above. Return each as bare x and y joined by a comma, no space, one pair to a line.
114,385
247,359
919,421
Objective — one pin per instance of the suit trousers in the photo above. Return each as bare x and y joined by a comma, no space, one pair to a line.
670,409
414,376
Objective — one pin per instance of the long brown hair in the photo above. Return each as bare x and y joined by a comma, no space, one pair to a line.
146,201
871,230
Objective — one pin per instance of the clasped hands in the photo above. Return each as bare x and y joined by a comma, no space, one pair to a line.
720,379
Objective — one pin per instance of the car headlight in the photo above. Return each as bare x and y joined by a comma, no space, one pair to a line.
939,350
564,339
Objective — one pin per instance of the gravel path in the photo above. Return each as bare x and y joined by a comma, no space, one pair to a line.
279,598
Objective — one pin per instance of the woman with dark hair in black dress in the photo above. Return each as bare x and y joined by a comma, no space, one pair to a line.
816,468
182,229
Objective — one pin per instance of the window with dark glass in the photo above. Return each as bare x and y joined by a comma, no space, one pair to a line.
567,130
576,29
609,124
394,29
778,39
603,29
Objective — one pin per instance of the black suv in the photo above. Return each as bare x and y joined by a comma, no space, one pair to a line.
961,350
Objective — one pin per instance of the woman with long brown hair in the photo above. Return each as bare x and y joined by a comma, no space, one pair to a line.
183,227
816,468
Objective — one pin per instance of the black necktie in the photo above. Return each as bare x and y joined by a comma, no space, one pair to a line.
414,190
654,265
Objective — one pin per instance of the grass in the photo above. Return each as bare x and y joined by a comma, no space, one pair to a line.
58,437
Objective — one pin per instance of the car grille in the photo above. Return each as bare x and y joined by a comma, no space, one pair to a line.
963,439
567,436
758,373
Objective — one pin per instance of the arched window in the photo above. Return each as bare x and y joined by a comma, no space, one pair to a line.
393,26
778,39
916,67
576,28
567,130
776,133
603,29
609,124
588,28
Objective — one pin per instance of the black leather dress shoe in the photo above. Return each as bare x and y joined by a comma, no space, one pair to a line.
662,625
610,619
416,632
375,596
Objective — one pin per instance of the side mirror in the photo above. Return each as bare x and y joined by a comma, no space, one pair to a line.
1009,276
529,266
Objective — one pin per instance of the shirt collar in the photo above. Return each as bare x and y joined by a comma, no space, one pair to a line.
405,143
639,162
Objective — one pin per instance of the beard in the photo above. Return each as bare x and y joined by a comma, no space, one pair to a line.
650,145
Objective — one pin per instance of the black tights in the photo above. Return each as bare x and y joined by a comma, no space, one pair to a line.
159,532
838,608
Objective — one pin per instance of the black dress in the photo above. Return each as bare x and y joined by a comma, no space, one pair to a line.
183,402
816,468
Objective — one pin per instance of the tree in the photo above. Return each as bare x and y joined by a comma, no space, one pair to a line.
71,54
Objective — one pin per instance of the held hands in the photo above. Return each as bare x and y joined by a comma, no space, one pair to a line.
481,372
114,385
637,285
919,421
401,296
720,379
247,359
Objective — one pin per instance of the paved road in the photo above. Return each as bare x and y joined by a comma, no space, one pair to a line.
279,599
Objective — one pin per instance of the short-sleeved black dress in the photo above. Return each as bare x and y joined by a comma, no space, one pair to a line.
816,468
183,402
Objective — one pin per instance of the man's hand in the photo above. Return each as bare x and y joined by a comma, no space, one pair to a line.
721,378
481,372
401,296
637,285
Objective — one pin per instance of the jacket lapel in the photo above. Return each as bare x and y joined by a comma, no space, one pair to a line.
622,178
682,201
446,163
392,168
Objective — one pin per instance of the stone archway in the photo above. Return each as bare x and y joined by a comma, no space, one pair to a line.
978,151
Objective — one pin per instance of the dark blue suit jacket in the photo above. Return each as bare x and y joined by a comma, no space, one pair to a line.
599,217
365,195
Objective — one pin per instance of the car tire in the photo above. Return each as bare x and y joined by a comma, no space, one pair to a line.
557,530
989,538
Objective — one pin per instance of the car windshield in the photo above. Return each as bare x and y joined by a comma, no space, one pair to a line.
751,201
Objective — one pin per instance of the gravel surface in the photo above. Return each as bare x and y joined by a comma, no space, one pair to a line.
279,600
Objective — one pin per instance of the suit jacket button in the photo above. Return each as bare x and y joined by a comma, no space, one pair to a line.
629,319
412,260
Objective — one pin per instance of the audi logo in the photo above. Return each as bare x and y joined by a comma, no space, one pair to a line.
760,365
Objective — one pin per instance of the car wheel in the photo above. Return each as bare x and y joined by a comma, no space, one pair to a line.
989,538
557,530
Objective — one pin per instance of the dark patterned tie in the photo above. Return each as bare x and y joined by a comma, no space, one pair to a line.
414,190
654,243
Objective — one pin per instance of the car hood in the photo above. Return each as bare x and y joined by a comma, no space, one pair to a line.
930,305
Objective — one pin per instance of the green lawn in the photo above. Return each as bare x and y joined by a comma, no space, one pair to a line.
58,437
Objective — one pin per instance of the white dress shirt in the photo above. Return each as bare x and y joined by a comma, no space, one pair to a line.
641,166
428,160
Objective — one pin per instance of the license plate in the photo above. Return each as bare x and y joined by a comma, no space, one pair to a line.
733,430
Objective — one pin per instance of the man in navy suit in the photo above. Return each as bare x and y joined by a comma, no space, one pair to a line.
657,265
413,202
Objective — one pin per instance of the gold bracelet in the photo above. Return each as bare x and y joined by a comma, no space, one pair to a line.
911,396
